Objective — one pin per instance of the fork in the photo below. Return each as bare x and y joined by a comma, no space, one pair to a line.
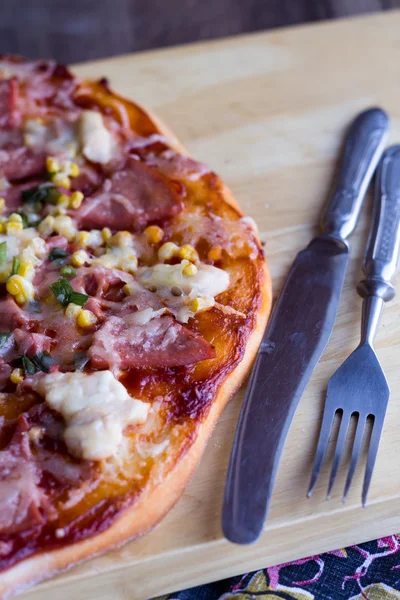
359,387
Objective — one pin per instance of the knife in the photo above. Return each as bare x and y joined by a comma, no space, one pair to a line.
296,335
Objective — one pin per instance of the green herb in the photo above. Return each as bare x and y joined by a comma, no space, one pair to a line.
80,360
43,361
24,217
65,293
15,265
3,253
43,193
28,366
3,338
67,271
58,253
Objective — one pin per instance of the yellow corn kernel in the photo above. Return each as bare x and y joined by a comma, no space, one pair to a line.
76,199
201,304
130,264
74,170
215,253
64,225
122,239
126,289
189,270
106,234
2,204
4,274
15,218
187,252
82,239
17,376
72,311
62,200
46,227
52,164
86,318
79,258
26,269
167,251
154,234
21,288
12,228
21,298
2,227
64,182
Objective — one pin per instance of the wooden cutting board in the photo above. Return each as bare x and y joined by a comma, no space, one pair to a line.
267,112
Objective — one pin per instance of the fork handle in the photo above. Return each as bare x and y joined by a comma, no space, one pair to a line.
383,248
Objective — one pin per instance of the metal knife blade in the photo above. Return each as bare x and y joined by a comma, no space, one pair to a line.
297,333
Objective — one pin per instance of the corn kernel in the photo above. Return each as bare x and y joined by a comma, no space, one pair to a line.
86,318
4,274
79,258
46,227
187,252
15,218
21,288
122,239
201,304
74,170
76,199
52,164
189,270
154,234
64,225
12,228
2,204
215,253
126,289
2,227
62,200
82,239
64,182
26,269
106,234
14,285
72,311
167,251
21,298
17,376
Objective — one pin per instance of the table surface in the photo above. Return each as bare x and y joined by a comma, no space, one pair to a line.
267,112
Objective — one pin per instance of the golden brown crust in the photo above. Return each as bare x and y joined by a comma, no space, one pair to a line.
155,504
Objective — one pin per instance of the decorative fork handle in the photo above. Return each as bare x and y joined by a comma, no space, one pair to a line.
362,151
383,248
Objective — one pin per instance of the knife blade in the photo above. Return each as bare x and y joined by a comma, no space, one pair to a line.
296,335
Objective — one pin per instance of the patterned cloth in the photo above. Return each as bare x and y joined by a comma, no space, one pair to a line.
369,571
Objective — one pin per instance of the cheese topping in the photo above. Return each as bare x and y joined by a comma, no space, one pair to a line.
207,281
96,409
96,140
54,136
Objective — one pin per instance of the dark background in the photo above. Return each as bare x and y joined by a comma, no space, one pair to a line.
78,30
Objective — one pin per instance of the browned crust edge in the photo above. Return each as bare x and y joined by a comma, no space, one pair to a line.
156,503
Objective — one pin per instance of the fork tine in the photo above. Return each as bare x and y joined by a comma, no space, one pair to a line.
372,452
344,424
355,453
324,434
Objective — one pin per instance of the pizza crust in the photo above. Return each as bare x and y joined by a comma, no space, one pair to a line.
157,502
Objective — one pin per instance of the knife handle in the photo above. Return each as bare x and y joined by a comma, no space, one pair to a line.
383,248
363,148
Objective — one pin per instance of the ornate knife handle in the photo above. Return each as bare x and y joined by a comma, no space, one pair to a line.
364,144
383,248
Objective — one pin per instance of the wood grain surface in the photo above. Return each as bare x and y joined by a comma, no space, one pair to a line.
267,112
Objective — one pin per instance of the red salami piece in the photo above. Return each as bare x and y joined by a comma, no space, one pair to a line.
20,496
130,199
162,342
9,115
18,163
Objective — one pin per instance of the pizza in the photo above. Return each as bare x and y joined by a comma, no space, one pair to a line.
133,297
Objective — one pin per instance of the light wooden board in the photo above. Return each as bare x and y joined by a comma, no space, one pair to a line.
267,112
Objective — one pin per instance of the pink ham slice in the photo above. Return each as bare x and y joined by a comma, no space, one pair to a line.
162,342
132,197
11,315
5,372
20,162
9,115
30,344
20,496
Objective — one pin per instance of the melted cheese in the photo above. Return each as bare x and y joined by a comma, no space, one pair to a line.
208,281
96,140
118,258
96,409
54,136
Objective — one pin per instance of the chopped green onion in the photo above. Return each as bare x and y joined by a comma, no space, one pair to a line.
28,366
45,192
3,253
43,361
15,265
65,293
67,271
78,298
3,338
80,360
58,253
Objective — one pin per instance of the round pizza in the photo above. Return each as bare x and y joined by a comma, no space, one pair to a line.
133,297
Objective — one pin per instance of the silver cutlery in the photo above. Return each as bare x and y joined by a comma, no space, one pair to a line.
296,335
359,388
